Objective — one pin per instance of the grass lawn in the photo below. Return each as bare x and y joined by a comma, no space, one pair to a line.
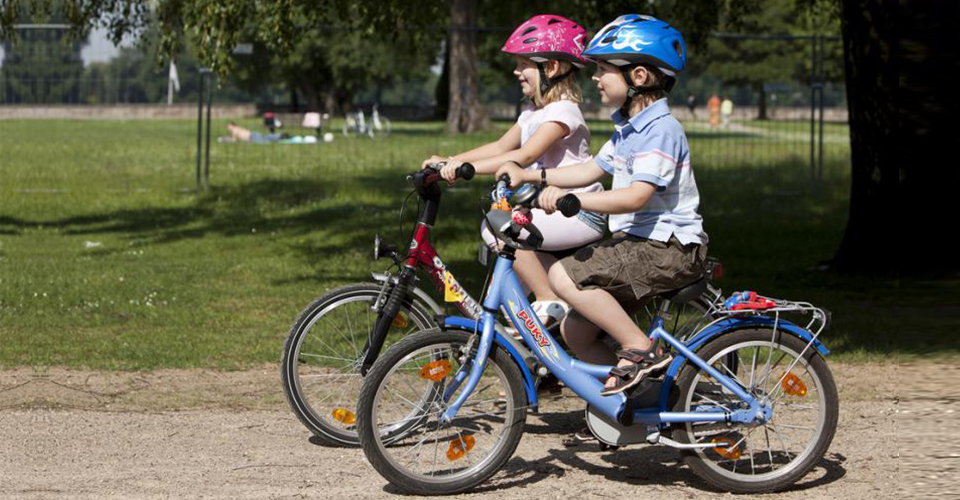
108,259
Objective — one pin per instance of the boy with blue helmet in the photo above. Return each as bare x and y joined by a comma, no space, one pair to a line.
658,242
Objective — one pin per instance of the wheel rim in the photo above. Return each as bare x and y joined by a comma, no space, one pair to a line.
423,453
777,447
327,358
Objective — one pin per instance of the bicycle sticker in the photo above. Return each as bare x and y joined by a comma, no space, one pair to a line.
451,289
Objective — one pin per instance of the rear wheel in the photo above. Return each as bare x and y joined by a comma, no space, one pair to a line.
321,355
777,453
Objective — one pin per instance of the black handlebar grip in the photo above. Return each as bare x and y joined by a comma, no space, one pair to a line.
466,171
569,205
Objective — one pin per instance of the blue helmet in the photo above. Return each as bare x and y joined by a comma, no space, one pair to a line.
635,39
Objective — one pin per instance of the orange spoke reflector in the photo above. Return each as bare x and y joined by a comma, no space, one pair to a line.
460,446
725,450
344,415
435,370
793,386
400,321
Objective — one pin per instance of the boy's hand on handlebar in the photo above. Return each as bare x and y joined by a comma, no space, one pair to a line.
548,198
515,173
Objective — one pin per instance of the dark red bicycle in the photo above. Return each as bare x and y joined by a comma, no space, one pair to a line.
338,337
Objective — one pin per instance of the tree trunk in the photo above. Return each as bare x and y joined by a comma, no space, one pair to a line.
762,108
869,40
465,113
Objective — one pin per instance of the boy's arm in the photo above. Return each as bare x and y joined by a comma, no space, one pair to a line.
572,176
617,201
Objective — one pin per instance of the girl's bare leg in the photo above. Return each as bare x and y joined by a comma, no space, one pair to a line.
531,268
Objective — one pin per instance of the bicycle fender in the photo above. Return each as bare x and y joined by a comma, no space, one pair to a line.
731,325
470,325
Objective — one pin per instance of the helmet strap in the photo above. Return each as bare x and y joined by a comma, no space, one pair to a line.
547,82
632,90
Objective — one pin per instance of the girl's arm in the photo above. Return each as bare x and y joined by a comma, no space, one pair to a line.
509,141
571,176
546,135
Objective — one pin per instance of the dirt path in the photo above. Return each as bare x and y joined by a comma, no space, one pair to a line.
198,434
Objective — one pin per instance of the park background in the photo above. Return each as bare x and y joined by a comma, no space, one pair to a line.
116,253
143,307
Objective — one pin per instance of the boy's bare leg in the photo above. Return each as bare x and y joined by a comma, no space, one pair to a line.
601,309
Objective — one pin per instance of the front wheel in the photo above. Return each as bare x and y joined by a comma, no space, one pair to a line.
319,367
775,454
405,394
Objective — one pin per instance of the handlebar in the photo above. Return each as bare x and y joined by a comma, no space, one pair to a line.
528,196
432,173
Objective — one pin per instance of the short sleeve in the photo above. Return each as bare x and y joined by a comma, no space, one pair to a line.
565,112
656,161
604,158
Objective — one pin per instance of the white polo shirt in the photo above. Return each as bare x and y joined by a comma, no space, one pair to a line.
651,147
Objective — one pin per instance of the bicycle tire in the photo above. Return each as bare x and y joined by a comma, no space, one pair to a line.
706,463
378,446
293,371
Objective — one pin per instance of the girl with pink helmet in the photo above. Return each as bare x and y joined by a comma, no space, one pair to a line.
550,133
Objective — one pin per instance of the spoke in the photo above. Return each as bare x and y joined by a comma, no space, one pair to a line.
411,403
327,357
779,438
753,367
769,450
797,406
350,339
800,427
332,375
712,401
766,376
732,375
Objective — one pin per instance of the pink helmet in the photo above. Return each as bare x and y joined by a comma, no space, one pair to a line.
546,37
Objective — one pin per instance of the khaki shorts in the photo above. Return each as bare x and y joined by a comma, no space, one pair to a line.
634,269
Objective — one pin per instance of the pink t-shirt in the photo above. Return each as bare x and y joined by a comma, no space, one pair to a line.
572,149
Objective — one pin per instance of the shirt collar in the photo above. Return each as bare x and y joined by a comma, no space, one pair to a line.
640,120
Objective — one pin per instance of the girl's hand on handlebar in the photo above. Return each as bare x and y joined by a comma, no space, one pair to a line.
548,198
449,171
433,160
515,173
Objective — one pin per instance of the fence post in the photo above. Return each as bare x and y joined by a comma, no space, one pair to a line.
813,106
206,164
199,125
822,85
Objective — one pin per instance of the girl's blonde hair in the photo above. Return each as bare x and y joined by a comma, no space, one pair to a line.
566,89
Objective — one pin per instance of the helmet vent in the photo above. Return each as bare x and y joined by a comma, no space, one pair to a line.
553,21
529,30
530,40
609,39
678,48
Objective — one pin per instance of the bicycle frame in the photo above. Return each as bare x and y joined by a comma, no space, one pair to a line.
583,378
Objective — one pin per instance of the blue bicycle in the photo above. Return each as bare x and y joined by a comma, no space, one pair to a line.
749,400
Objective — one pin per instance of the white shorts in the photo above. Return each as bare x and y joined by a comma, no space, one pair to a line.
559,232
